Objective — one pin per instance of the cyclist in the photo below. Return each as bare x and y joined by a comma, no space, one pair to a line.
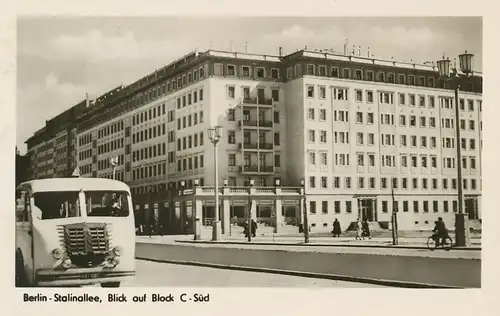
440,232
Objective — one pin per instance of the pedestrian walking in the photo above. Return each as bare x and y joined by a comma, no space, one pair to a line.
245,229
366,230
359,230
254,228
336,228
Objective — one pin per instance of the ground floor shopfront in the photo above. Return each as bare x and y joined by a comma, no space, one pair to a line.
177,211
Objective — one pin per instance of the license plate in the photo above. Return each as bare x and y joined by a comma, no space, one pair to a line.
89,276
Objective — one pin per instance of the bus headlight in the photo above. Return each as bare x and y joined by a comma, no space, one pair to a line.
118,251
115,261
57,253
66,263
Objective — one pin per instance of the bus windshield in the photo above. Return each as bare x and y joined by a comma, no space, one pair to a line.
107,203
64,204
54,205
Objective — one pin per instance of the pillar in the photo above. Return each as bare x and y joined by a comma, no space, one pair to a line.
226,211
278,206
178,216
253,208
198,218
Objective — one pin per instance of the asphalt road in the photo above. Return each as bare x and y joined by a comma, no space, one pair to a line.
153,274
453,272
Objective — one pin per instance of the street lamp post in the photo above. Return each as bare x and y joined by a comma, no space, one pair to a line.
394,215
304,212
197,219
215,134
452,75
114,162
249,213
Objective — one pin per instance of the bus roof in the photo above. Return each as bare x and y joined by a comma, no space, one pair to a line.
73,184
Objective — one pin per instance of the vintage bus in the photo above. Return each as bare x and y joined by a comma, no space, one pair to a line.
73,232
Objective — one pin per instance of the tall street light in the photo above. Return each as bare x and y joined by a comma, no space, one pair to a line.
452,75
215,134
304,211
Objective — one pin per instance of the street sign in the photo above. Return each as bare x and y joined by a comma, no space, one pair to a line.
76,173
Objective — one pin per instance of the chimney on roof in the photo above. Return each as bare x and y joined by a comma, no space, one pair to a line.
280,51
368,54
359,51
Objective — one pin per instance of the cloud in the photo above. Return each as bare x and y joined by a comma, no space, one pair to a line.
94,46
40,102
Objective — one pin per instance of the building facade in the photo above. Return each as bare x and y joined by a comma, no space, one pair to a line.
359,131
52,149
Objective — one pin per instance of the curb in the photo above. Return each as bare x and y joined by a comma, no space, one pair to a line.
334,277
316,245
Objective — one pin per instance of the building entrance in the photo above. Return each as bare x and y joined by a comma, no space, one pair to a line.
367,209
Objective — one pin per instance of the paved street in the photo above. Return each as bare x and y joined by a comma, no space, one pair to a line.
150,274
409,266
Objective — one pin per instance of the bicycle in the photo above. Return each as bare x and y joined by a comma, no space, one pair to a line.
435,242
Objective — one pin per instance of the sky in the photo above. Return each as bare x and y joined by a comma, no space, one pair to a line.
59,59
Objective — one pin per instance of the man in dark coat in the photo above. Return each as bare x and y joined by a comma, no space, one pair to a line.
336,228
440,231
366,229
254,228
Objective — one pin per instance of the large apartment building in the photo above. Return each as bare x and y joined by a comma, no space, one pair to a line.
357,130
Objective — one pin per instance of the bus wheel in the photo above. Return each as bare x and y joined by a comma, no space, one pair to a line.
110,284
21,280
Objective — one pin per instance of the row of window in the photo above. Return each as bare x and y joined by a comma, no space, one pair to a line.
86,169
247,95
313,207
110,146
147,115
85,154
247,158
397,183
150,152
168,86
390,160
190,120
150,133
106,163
361,74
388,119
389,140
191,141
190,163
246,71
154,170
110,129
190,98
85,139
410,99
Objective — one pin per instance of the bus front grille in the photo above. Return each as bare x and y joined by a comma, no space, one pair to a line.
86,244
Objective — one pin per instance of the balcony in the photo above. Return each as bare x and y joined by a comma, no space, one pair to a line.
265,123
247,146
247,123
249,169
256,169
257,101
268,146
